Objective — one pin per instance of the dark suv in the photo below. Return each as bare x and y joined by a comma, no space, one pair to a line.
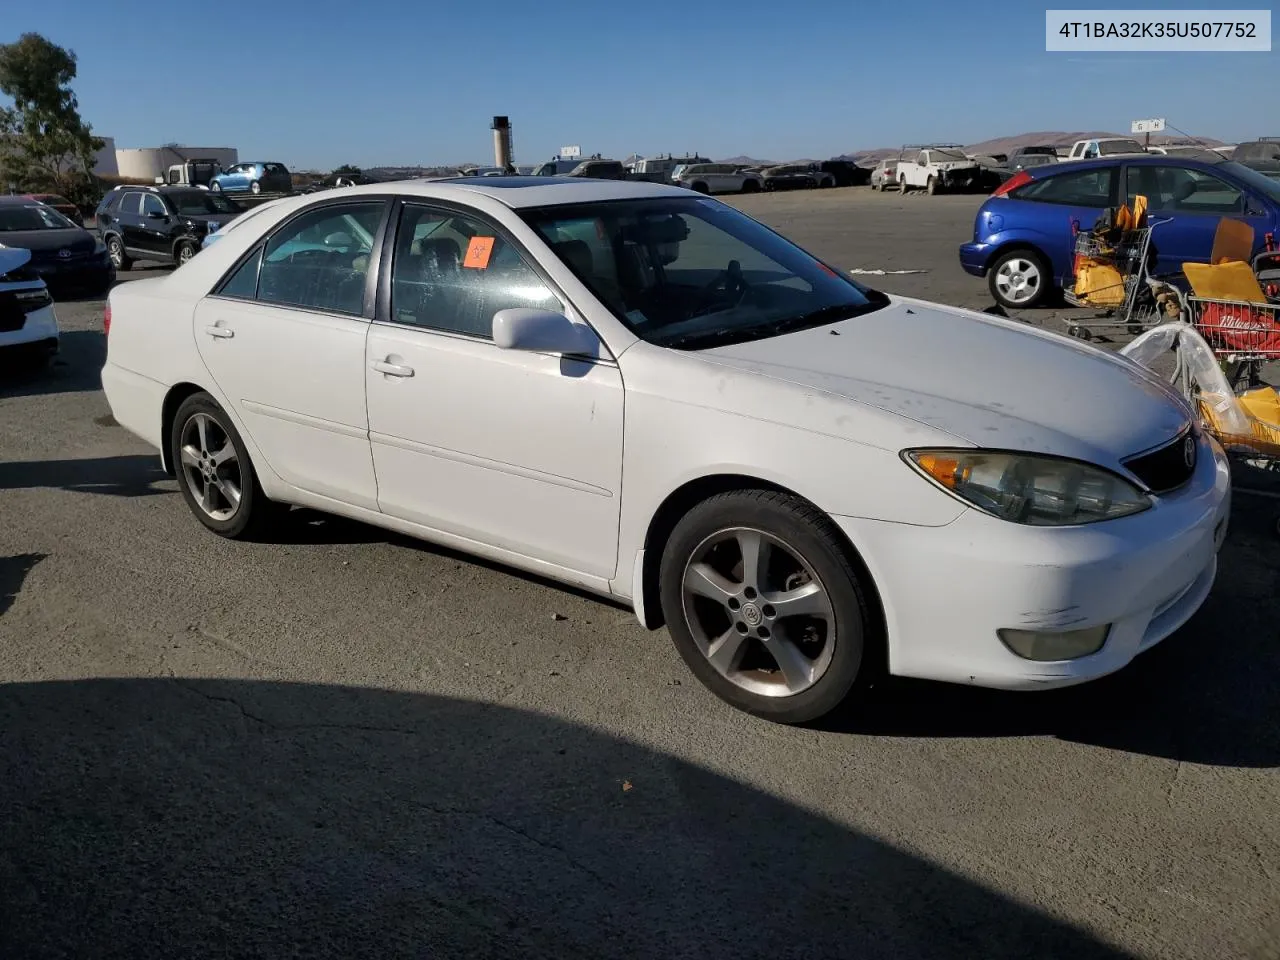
846,172
165,224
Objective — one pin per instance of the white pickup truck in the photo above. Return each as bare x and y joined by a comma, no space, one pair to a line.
937,168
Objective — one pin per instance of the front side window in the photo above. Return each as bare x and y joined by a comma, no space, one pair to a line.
1181,190
1077,188
453,273
694,273
153,206
320,261
132,203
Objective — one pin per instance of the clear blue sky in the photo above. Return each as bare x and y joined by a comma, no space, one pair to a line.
316,84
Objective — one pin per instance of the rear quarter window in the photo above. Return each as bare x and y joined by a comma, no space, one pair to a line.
1079,188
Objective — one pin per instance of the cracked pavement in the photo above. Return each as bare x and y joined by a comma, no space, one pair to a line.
349,744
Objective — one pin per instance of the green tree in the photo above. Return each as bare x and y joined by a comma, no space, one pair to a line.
44,143
346,170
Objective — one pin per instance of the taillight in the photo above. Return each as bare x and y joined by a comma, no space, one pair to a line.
106,320
1013,183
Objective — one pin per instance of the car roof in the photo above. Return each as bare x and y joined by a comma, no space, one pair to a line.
22,200
1138,159
519,192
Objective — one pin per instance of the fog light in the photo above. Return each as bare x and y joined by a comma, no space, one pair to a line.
1054,644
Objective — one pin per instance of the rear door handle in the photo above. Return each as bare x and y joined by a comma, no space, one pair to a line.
392,369
219,333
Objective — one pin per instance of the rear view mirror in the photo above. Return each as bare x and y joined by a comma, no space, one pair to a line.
543,331
657,231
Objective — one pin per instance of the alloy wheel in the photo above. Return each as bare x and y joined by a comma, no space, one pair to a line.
758,612
115,252
1018,280
211,467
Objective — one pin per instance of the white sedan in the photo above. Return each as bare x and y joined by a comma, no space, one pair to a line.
650,395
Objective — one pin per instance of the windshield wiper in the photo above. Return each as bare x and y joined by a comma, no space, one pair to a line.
721,336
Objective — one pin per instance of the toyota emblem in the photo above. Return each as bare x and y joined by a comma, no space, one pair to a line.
64,254
1189,452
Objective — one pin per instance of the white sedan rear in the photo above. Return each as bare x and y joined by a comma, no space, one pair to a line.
652,396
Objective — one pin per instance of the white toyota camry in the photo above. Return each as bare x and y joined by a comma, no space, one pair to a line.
653,396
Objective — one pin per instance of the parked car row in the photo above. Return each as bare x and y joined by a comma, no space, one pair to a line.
66,256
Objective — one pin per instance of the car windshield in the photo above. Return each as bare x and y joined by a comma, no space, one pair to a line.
199,202
1109,148
31,216
695,273
1267,186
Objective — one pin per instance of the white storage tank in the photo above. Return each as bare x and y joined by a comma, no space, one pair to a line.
146,163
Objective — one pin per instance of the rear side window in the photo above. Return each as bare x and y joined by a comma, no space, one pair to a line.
320,261
109,203
1077,188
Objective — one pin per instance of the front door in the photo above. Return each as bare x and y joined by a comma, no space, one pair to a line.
520,451
156,227
1194,202
284,339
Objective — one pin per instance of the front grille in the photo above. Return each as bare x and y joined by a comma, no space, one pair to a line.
1168,467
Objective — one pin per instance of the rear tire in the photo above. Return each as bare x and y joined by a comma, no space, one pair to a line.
215,186
750,186
214,471
255,187
1019,279
115,252
743,644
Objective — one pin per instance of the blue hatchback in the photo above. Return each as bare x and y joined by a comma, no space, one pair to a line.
1022,239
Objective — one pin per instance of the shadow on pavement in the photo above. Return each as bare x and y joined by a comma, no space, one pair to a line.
191,818
13,571
77,368
125,476
1207,694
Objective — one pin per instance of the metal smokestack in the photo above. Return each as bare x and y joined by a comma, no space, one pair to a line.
502,143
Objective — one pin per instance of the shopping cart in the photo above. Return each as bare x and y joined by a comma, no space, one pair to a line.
1114,275
1245,422
1244,335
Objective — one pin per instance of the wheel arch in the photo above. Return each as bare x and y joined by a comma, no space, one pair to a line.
168,411
688,495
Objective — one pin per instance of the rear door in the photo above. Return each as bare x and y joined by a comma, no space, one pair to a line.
1042,211
1194,201
130,220
284,338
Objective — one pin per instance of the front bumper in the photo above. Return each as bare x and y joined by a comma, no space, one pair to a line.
40,327
88,273
973,258
947,590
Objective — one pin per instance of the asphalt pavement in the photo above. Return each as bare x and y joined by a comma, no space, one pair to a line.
349,744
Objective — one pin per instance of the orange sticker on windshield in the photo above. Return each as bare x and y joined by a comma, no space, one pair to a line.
478,252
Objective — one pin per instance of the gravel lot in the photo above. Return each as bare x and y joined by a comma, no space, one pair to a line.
350,744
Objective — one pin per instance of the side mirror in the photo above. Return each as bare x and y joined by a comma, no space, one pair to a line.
339,239
543,331
158,215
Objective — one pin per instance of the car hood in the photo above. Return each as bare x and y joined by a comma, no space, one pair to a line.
40,241
984,380
12,259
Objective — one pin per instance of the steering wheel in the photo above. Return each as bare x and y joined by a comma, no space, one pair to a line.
731,282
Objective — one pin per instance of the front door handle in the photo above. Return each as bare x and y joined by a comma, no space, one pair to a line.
392,369
219,333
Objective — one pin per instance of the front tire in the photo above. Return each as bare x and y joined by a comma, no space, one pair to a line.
214,472
215,186
932,186
255,187
750,186
186,250
764,604
700,187
1019,279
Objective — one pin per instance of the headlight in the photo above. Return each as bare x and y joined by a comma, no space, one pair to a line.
1026,488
